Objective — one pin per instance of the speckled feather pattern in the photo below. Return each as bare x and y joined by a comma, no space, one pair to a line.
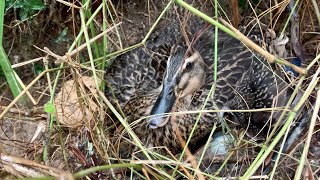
243,82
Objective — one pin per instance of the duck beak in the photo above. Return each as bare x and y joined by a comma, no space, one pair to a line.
163,105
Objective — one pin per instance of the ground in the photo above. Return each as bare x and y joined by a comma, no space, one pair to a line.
26,132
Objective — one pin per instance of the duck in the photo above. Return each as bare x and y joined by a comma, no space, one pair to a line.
168,75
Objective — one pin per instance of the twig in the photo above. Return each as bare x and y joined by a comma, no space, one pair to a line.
316,10
84,45
126,125
196,36
16,111
21,94
105,167
159,162
189,155
235,13
264,153
145,172
295,30
238,35
26,62
69,4
308,140
34,102
271,58
17,160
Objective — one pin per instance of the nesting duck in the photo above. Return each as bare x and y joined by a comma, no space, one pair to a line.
166,75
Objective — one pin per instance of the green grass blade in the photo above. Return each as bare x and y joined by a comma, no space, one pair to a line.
2,4
9,73
6,65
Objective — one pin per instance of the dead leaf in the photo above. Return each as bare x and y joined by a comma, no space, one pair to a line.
69,111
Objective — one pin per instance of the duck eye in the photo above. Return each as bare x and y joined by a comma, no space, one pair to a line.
188,65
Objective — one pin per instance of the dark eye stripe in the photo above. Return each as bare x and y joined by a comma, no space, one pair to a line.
188,65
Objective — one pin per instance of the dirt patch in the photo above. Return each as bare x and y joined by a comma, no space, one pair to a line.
28,132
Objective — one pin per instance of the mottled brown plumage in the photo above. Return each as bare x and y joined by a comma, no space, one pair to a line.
142,80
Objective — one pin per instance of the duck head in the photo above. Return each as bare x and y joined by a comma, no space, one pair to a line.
183,77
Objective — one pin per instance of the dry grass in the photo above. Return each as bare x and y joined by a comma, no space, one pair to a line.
83,136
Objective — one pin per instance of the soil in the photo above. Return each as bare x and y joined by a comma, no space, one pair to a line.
25,132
